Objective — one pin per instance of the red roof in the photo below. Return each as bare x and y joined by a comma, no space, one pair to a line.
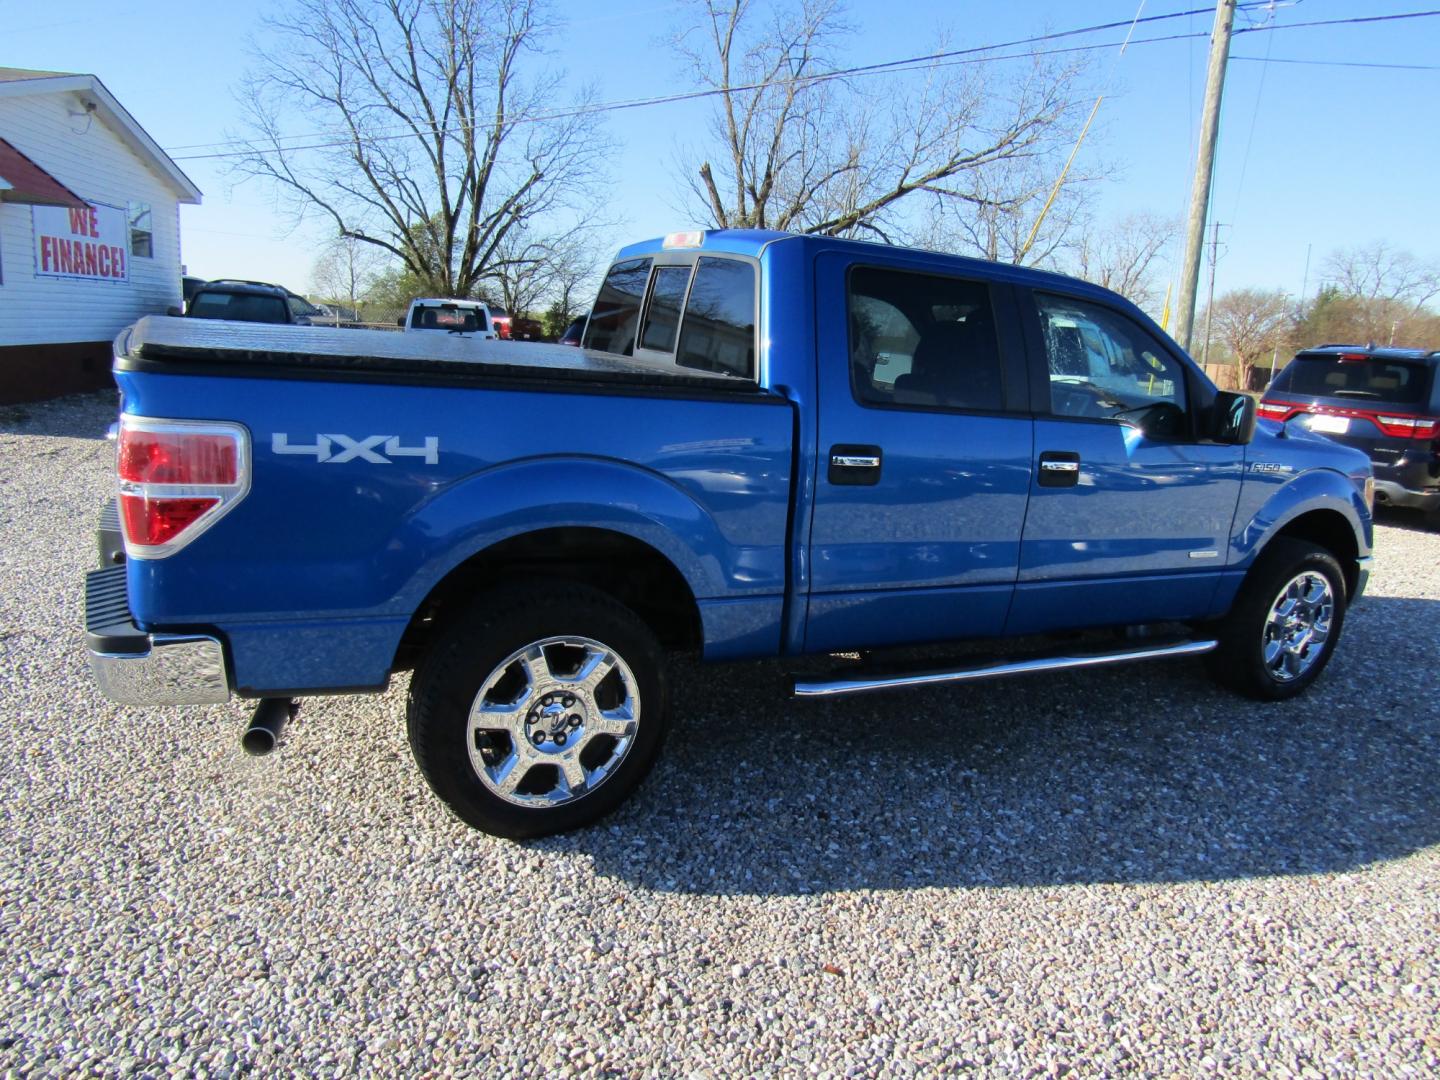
22,181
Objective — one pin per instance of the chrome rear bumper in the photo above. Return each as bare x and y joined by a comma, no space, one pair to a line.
133,667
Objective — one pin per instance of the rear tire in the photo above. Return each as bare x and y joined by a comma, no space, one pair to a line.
1285,624
540,710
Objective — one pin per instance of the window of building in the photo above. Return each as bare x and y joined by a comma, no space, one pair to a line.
142,230
1104,366
718,333
617,309
922,340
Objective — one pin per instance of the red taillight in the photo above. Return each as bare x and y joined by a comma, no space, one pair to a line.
152,522
1274,410
1408,427
160,457
176,479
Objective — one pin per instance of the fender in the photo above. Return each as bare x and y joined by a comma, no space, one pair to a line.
548,492
1284,501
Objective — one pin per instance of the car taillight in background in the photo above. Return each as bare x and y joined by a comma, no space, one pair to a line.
177,478
1408,427
1395,425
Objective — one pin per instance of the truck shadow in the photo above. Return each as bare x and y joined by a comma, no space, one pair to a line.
79,416
1407,519
1146,773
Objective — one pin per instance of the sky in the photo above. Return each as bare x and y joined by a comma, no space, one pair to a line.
1313,156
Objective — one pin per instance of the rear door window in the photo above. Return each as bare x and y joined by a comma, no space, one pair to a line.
616,316
718,333
923,341
1363,379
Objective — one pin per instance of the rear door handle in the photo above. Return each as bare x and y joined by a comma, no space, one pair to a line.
855,464
1059,468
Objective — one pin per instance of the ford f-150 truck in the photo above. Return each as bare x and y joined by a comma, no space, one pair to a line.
768,445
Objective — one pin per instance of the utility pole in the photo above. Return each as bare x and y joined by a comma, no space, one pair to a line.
1204,171
1210,304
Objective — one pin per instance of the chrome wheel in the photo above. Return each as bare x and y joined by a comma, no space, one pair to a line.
1298,626
553,721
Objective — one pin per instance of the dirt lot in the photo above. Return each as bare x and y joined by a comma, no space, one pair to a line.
1122,871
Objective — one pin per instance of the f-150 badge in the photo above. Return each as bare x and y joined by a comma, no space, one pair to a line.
376,449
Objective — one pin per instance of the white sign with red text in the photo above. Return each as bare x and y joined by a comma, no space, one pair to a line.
91,243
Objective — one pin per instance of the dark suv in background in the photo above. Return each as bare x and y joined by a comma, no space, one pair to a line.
250,301
1383,401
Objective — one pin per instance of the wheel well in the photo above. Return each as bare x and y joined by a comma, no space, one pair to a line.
1333,532
627,569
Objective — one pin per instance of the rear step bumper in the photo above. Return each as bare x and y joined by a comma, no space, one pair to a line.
133,667
860,684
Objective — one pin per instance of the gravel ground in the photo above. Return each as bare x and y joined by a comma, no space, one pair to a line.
1110,872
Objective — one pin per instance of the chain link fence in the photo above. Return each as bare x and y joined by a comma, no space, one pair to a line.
365,316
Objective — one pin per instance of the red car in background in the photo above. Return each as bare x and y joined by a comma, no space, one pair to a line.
510,328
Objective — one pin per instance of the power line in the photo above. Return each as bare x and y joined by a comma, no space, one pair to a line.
864,69
1339,63
845,72
963,57
1254,122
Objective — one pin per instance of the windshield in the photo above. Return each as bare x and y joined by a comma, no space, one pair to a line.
242,307
1364,379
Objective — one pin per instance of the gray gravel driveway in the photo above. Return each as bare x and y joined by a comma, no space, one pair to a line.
1102,873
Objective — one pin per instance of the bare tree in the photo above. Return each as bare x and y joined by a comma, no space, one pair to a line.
540,270
1123,256
1000,225
1393,288
1251,323
346,269
433,144
797,149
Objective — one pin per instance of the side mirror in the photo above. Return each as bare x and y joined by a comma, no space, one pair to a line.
172,310
400,322
1232,418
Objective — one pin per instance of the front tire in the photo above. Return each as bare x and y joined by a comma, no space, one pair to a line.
1285,624
539,711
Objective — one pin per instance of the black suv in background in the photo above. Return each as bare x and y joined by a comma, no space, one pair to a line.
1383,401
250,301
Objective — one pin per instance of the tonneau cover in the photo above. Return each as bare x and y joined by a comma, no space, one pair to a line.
216,343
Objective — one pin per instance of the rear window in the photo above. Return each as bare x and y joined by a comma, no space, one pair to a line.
1394,381
617,308
718,333
458,320
242,307
663,317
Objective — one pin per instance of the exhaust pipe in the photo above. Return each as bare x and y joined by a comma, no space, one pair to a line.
263,732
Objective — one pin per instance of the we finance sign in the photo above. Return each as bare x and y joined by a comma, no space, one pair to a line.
91,243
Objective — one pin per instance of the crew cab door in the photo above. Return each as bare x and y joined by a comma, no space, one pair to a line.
1130,508
925,451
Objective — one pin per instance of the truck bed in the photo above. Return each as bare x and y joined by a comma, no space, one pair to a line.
175,345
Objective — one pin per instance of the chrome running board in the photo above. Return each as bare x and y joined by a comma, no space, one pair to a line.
805,688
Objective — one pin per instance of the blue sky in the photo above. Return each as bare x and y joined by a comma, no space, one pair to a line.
1310,155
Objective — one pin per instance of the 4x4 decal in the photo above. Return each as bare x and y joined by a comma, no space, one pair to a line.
338,449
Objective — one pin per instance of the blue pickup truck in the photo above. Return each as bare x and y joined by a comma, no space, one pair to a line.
769,445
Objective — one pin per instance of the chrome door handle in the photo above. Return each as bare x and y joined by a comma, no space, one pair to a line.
1059,468
855,463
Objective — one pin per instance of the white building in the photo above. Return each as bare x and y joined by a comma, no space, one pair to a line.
89,231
